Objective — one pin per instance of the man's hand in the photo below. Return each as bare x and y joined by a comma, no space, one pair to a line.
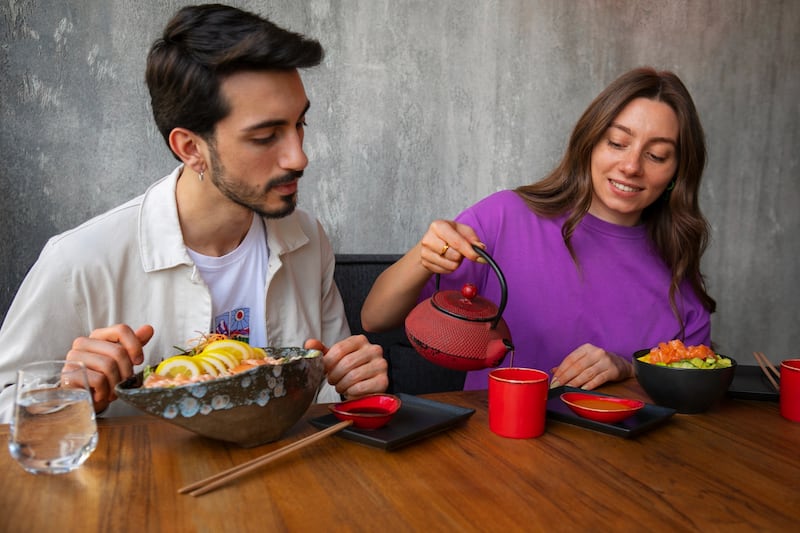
110,355
354,366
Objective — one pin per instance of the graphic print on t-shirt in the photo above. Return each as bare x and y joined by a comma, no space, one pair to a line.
235,324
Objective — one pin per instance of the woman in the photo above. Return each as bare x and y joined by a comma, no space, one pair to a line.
601,257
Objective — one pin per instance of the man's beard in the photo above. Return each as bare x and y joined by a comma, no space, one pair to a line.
252,198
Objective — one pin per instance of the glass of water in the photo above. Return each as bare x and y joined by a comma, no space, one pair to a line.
53,430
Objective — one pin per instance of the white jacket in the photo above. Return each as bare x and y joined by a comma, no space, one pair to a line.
130,265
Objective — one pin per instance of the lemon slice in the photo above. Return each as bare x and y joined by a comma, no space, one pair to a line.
208,366
179,365
259,353
218,364
225,358
238,349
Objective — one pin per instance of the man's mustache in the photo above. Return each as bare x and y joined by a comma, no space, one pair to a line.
285,179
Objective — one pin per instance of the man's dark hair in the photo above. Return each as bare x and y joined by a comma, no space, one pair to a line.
200,46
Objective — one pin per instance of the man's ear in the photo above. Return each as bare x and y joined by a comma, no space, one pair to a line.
190,148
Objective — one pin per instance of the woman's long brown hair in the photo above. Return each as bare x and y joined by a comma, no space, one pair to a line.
674,221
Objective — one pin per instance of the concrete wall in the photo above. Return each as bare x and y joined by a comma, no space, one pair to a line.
420,109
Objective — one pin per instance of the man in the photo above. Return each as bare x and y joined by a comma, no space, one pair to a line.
216,246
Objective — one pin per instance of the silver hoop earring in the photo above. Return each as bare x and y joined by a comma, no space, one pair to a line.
200,176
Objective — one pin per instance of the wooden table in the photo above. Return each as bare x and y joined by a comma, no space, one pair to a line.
735,468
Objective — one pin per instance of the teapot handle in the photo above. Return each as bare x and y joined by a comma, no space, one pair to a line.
500,277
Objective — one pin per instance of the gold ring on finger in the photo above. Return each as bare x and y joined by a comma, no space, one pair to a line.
444,249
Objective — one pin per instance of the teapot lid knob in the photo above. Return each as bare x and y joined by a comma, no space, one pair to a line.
469,291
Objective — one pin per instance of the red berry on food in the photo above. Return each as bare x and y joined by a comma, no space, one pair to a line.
469,291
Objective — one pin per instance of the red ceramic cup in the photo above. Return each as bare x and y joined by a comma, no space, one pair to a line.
790,389
517,402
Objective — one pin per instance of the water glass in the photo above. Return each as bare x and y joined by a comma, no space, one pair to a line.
53,430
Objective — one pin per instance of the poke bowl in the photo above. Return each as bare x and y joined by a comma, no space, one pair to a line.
251,407
687,389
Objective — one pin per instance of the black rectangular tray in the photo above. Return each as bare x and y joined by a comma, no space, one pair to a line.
750,383
416,419
646,419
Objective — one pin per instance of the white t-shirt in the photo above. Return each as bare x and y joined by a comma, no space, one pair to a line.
236,282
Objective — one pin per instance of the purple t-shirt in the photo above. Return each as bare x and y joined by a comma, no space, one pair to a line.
617,299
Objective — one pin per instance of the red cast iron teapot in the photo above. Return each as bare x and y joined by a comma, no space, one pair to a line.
461,330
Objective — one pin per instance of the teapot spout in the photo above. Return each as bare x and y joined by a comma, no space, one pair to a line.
496,351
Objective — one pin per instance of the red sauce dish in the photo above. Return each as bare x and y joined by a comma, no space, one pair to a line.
606,409
368,412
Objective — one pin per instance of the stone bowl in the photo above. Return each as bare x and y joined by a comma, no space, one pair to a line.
250,408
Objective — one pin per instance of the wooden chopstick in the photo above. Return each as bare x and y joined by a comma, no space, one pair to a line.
769,364
768,369
217,480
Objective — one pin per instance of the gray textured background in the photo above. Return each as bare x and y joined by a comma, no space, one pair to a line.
420,109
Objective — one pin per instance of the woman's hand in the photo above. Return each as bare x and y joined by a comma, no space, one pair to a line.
446,244
396,291
588,367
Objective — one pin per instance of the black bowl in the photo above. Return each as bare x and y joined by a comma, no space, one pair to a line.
687,390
